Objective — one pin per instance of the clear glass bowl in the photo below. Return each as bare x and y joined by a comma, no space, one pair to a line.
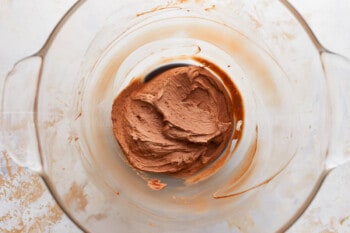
56,108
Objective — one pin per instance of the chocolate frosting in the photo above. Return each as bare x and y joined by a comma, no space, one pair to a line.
176,123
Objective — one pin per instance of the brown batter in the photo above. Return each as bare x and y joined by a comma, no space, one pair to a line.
176,123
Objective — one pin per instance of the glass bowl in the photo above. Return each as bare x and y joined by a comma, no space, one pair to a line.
56,114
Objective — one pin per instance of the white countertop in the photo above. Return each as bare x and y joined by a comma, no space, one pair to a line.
26,205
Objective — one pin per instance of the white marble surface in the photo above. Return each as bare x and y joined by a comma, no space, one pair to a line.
24,26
